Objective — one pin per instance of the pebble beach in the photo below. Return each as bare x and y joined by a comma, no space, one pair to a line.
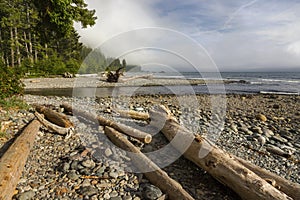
87,166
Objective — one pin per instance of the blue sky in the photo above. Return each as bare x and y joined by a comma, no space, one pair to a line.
237,35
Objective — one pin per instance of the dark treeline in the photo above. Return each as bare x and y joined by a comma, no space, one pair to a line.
38,37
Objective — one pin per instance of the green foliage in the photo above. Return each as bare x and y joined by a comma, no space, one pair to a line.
10,83
13,102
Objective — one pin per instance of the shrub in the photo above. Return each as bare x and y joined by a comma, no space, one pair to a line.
10,82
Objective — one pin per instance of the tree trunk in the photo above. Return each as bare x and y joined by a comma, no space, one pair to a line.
26,45
221,165
14,159
154,174
17,47
35,49
12,51
1,47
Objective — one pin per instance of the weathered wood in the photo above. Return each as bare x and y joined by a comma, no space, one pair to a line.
140,135
132,114
282,184
155,175
57,118
221,165
53,127
288,187
14,159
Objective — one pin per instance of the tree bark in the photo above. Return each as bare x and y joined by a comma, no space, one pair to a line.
14,159
156,176
140,135
57,118
221,165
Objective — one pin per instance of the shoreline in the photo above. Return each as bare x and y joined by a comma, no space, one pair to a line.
85,82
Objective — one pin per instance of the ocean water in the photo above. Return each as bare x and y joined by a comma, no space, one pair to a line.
245,82
285,83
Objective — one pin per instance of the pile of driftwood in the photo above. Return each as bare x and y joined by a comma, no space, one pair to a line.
247,180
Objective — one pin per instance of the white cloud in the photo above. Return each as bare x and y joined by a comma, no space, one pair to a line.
246,33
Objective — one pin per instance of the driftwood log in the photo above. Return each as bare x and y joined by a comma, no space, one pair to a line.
155,175
54,117
132,114
14,159
284,185
53,127
221,165
140,135
288,187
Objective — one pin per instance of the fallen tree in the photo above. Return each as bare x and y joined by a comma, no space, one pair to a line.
155,175
221,165
140,135
14,159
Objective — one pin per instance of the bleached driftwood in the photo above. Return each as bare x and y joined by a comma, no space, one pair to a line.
14,159
140,135
155,175
53,127
57,118
288,187
220,164
132,114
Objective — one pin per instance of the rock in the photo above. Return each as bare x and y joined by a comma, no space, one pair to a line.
267,132
108,152
26,195
106,196
65,167
115,198
73,175
88,190
127,197
113,174
88,163
279,139
113,194
151,192
74,165
261,117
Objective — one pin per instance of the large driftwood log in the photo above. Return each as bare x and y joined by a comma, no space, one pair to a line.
54,117
14,159
288,187
284,185
221,165
155,175
140,135
53,127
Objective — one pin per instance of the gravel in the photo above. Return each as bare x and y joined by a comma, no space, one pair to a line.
88,166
